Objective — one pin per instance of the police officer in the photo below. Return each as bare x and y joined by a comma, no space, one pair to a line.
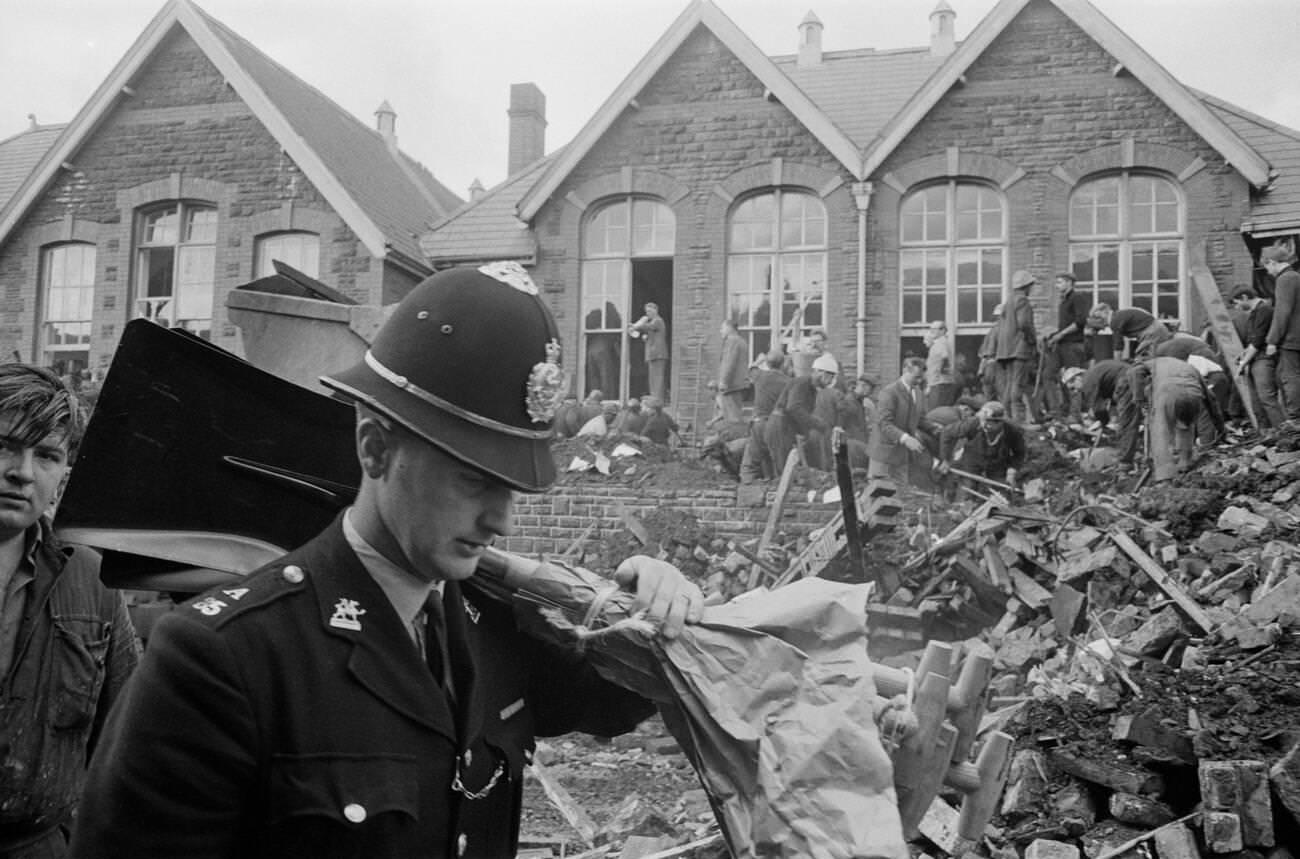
360,697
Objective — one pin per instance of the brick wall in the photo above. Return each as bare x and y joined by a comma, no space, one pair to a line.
548,524
184,132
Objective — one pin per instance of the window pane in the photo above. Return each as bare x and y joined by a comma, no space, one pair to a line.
912,312
156,271
803,220
607,231
653,225
201,225
1094,208
160,227
194,297
300,250
753,224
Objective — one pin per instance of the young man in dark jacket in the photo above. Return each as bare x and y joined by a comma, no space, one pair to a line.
66,642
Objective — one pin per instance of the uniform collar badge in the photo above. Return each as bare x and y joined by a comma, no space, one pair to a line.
347,615
470,611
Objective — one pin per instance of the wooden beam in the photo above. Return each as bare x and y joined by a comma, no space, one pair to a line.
1190,609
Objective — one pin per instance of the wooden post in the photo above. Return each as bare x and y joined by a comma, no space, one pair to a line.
1225,333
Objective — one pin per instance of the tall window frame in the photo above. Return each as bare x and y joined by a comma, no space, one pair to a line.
617,233
175,258
777,253
1128,241
953,247
297,248
67,305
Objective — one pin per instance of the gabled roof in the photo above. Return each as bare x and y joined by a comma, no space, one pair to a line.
861,90
1115,42
700,13
385,197
21,153
487,228
1275,210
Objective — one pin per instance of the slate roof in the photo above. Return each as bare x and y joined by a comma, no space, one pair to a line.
1276,210
861,90
20,154
487,228
398,192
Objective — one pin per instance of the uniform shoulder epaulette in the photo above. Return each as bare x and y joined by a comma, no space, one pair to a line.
260,588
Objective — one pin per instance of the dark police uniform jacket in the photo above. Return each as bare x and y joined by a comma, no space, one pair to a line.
292,716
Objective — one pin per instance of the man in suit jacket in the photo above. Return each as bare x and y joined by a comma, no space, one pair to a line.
315,710
895,448
733,372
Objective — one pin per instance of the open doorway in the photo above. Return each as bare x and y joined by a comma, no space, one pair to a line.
652,280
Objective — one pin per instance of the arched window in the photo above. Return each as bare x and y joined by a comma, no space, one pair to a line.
68,296
776,258
952,261
175,266
298,249
1126,242
627,250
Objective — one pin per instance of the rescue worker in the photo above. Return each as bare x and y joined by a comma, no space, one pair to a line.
1178,401
769,383
795,417
315,710
986,444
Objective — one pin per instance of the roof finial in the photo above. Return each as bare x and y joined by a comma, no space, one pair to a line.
943,37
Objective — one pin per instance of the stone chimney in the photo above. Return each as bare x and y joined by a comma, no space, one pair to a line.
810,41
943,36
386,122
476,191
527,126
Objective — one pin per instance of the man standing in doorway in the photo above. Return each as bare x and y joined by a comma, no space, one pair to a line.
654,328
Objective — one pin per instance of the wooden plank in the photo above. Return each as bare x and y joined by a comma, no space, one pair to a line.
574,814
778,503
1163,580
1225,333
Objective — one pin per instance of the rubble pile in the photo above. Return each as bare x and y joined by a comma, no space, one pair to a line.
1146,644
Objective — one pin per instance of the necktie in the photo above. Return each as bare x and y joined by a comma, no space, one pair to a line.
435,638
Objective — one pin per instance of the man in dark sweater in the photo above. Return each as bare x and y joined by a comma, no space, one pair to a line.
1254,364
1131,323
987,444
795,415
769,383
1065,346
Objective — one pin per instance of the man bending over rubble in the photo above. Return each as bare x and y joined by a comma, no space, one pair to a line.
987,444
1179,407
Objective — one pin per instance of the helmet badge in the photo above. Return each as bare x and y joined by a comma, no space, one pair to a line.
546,385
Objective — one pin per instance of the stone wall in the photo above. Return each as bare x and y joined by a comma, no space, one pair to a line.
548,524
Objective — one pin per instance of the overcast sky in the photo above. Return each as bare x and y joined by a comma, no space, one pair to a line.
446,66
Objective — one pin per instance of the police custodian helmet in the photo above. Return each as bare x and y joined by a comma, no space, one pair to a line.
469,361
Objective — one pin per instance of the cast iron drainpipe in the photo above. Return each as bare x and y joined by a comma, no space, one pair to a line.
862,197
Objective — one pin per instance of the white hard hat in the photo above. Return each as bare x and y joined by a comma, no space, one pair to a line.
826,364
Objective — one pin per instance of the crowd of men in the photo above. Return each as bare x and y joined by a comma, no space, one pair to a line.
1161,392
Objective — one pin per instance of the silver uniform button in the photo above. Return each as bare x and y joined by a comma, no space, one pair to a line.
293,575
353,811
468,757
462,844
